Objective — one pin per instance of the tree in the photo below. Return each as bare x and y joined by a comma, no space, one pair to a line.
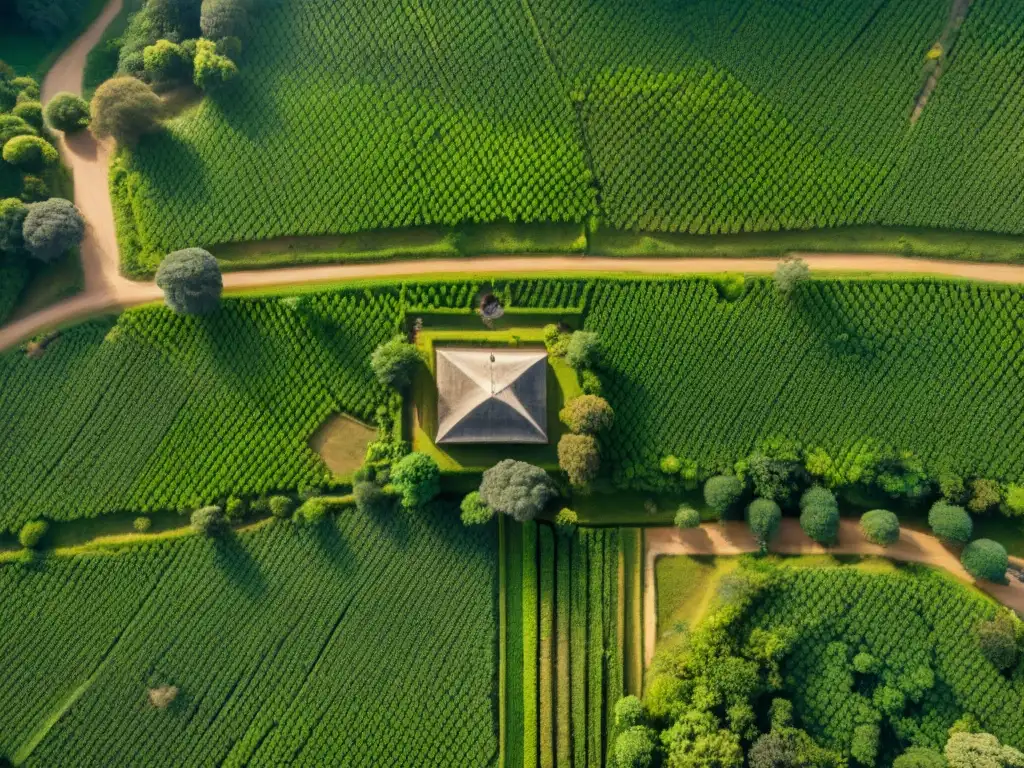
517,489
31,112
394,362
687,517
864,746
52,228
986,559
722,492
32,533
819,515
371,498
142,524
222,18
998,641
209,521
166,62
418,478
280,506
584,350
789,274
776,478
67,112
920,757
587,414
763,516
126,109
579,458
1015,500
30,153
880,526
12,220
629,712
210,69
985,494
981,750
950,523
566,521
634,748
474,511
12,126
191,281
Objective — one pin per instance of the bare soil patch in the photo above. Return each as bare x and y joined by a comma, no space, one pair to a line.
341,442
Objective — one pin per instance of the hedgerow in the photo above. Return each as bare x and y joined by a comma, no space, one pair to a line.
365,643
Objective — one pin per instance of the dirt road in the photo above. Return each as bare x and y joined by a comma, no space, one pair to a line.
734,538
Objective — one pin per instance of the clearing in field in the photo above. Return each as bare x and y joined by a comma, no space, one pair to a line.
341,442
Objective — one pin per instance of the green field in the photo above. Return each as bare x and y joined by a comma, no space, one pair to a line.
286,644
705,118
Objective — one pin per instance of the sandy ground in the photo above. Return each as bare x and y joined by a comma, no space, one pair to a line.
734,538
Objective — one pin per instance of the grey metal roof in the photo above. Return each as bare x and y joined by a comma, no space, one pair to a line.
487,395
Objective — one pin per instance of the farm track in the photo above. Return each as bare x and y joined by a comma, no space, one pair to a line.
734,538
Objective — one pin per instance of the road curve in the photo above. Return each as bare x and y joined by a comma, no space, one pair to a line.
734,538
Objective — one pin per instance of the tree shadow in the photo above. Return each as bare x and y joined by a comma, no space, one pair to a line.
239,566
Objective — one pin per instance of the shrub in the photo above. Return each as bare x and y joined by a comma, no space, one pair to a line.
1015,500
985,559
670,465
556,341
34,189
920,757
31,112
280,506
32,533
687,517
722,492
191,281
210,69
125,108
52,228
985,494
950,522
584,350
67,112
864,746
763,516
566,521
394,362
974,750
880,526
819,515
209,521
587,414
418,478
142,524
516,488
866,664
12,219
235,509
371,499
163,696
629,712
789,274
474,511
998,641
29,153
222,18
590,382
312,511
635,748
12,126
579,458
166,62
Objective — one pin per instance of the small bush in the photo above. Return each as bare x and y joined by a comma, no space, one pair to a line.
209,521
763,516
920,757
394,362
985,494
32,533
67,112
587,414
163,696
986,559
687,517
11,126
12,219
371,499
166,62
30,153
142,524
722,493
1015,500
950,522
880,526
191,281
866,664
312,511
280,506
629,712
789,275
474,511
670,465
584,350
31,112
579,458
210,69
566,521
998,641
635,748
590,382
418,478
819,515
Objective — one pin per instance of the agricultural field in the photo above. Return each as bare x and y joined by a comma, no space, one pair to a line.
284,644
703,118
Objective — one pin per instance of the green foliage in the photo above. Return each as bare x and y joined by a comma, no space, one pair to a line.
52,228
12,220
579,458
209,521
789,275
985,559
997,639
142,524
1014,497
584,350
67,112
211,70
474,511
126,109
819,515
634,748
864,747
566,521
516,488
166,62
977,750
31,112
32,533
920,757
395,361
950,522
880,526
347,600
587,414
418,478
371,499
12,126
687,517
629,712
763,517
280,506
223,18
191,281
30,153
865,664
777,473
312,511
722,493
985,494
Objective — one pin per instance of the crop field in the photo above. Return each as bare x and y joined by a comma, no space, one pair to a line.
906,619
287,645
705,118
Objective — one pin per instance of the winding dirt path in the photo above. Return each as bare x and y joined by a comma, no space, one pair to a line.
734,538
